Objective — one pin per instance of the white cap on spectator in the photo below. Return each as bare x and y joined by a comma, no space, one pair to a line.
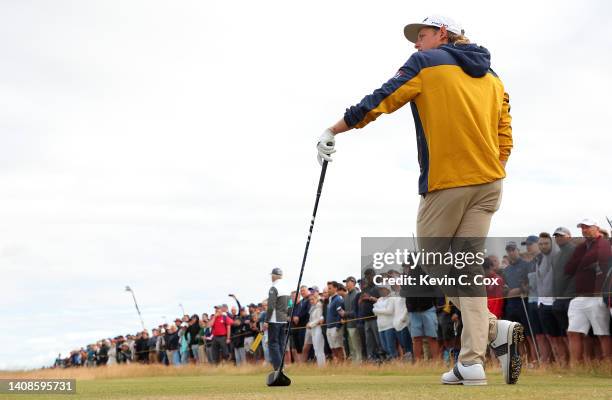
562,231
587,222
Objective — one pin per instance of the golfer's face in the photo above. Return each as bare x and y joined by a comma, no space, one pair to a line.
428,38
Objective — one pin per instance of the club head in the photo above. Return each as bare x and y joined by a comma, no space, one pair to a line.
277,378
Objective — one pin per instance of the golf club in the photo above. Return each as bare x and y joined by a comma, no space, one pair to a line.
278,378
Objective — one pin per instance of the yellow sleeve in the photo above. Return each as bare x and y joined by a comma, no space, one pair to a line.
504,130
393,101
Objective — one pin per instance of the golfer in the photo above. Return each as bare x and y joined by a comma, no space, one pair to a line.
464,139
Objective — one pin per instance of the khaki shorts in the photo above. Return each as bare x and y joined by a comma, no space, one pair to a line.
588,312
335,337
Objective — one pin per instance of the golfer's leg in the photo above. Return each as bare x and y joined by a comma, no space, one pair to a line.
479,325
440,214
476,333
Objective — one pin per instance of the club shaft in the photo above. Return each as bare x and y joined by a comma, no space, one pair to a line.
297,290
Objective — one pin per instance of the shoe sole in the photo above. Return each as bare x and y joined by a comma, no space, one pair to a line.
514,356
474,382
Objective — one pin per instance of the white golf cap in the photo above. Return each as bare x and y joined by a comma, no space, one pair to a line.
562,231
587,222
411,31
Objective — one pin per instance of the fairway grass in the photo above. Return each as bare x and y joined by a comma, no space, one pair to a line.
395,381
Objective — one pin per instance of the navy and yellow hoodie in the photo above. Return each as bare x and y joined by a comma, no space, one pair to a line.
461,113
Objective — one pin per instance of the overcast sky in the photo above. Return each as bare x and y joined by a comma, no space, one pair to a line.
170,146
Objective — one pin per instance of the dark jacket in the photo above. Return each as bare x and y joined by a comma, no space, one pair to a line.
365,306
563,284
332,318
589,265
194,332
278,302
418,304
302,311
172,341
238,333
350,307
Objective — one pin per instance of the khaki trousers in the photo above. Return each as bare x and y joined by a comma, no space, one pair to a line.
455,213
354,344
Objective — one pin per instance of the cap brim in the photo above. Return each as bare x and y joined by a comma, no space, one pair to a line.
411,31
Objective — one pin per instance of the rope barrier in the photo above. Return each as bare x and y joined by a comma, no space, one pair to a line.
345,321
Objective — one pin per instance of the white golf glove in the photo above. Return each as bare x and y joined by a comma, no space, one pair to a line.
325,146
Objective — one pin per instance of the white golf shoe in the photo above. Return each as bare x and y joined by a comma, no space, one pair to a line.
506,348
465,375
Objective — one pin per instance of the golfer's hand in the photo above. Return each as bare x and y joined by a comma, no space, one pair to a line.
325,146
265,326
227,340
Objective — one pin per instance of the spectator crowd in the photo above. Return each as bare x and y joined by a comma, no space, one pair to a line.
557,286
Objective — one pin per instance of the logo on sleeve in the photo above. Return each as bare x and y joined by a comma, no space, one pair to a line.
399,74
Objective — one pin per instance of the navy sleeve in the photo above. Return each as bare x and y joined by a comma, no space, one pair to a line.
355,115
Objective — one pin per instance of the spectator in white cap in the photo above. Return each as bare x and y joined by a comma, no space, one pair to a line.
451,87
589,265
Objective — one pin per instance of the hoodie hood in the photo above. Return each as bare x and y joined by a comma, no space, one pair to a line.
473,59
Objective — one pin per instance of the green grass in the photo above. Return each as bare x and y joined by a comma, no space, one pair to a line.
389,382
